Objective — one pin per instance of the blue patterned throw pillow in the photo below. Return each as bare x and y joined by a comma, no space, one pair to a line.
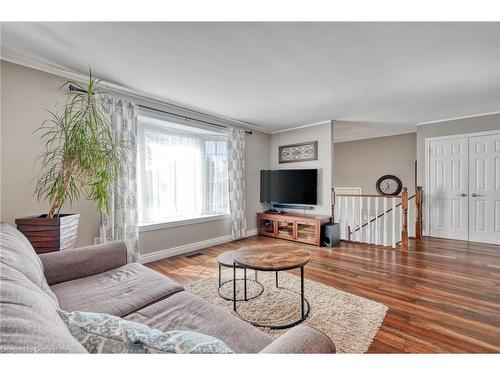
104,333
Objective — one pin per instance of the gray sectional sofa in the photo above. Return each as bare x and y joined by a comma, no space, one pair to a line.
98,279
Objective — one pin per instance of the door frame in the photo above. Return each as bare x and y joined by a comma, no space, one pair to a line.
427,161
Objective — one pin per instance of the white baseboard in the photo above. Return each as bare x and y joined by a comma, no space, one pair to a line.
251,232
182,249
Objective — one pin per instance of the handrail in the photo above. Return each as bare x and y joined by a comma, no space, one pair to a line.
379,216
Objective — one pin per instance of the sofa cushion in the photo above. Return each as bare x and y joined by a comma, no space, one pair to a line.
16,252
119,291
29,321
187,312
61,266
104,333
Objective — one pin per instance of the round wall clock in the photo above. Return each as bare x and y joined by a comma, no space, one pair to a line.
389,185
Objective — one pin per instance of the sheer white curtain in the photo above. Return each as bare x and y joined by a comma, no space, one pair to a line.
216,188
182,175
173,176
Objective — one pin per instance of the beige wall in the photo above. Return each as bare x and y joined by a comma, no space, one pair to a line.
361,163
452,127
323,134
25,94
257,155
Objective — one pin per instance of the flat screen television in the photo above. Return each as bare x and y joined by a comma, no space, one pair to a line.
289,186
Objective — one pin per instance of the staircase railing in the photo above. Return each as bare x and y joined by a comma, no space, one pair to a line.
377,219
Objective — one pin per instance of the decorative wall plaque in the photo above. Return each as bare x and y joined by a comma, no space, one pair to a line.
298,152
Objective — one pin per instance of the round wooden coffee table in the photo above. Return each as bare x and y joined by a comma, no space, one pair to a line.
273,259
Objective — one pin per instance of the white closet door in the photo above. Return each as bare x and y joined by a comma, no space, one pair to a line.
484,187
448,190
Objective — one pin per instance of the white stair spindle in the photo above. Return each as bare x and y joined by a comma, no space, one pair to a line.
400,222
346,216
346,219
384,223
353,211
368,225
338,213
393,237
360,236
341,217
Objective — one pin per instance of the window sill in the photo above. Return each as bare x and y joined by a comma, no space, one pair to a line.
180,223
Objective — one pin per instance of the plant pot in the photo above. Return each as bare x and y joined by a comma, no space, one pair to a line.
50,234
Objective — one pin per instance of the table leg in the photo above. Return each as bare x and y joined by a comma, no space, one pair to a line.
302,292
220,277
245,282
234,287
255,275
276,279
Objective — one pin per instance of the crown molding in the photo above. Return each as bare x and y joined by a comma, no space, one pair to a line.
458,118
124,90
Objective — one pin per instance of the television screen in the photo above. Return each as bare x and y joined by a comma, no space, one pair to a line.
292,186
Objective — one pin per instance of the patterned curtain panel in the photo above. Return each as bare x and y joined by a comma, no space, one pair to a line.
121,223
236,177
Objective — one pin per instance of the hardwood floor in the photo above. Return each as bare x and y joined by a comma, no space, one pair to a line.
443,295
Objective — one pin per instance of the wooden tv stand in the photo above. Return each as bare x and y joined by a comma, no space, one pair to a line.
292,226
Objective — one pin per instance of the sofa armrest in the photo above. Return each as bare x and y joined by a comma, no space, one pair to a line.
81,262
301,339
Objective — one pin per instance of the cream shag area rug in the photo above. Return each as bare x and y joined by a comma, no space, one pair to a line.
349,320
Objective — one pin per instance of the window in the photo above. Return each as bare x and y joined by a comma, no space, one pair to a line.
182,171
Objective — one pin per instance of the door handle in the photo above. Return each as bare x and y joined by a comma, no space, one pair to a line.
463,195
474,195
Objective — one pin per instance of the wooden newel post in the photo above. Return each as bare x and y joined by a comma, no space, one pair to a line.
404,210
419,203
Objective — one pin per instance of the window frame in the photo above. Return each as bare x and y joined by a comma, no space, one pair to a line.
145,227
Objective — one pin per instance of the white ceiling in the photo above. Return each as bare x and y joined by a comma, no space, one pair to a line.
376,78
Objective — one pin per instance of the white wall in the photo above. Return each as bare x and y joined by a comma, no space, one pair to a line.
25,94
322,133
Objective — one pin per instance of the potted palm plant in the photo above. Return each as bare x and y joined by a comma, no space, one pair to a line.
81,157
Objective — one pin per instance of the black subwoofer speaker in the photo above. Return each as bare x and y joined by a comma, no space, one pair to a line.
330,234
